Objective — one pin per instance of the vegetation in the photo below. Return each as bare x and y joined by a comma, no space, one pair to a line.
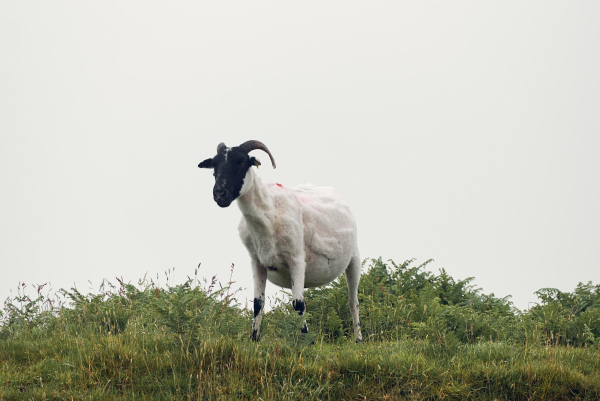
426,337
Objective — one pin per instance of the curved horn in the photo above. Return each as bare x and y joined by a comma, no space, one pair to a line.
252,145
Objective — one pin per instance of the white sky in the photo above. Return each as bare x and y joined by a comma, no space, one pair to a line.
466,132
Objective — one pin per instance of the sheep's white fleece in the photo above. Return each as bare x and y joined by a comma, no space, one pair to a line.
282,227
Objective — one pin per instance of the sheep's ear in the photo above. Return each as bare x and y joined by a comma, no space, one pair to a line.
208,163
254,162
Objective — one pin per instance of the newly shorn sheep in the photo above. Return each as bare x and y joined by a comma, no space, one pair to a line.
297,237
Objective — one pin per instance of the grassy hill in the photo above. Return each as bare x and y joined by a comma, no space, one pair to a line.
426,337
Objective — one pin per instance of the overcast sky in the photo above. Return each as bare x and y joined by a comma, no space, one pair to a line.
466,132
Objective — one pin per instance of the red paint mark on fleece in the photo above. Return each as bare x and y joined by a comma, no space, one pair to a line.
279,185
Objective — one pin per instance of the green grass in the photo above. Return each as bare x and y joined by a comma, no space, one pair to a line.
154,365
191,342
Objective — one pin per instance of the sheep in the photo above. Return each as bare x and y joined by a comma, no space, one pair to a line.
297,237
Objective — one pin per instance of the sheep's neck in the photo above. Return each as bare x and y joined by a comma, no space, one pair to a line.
257,207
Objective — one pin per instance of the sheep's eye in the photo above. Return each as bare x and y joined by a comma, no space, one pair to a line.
243,164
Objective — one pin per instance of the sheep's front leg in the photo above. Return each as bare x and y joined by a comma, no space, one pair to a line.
297,272
259,273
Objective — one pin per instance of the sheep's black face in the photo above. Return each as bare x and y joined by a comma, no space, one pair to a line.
230,166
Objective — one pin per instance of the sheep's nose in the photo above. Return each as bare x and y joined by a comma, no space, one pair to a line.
219,194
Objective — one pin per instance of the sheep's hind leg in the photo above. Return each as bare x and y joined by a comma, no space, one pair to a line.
352,277
259,273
